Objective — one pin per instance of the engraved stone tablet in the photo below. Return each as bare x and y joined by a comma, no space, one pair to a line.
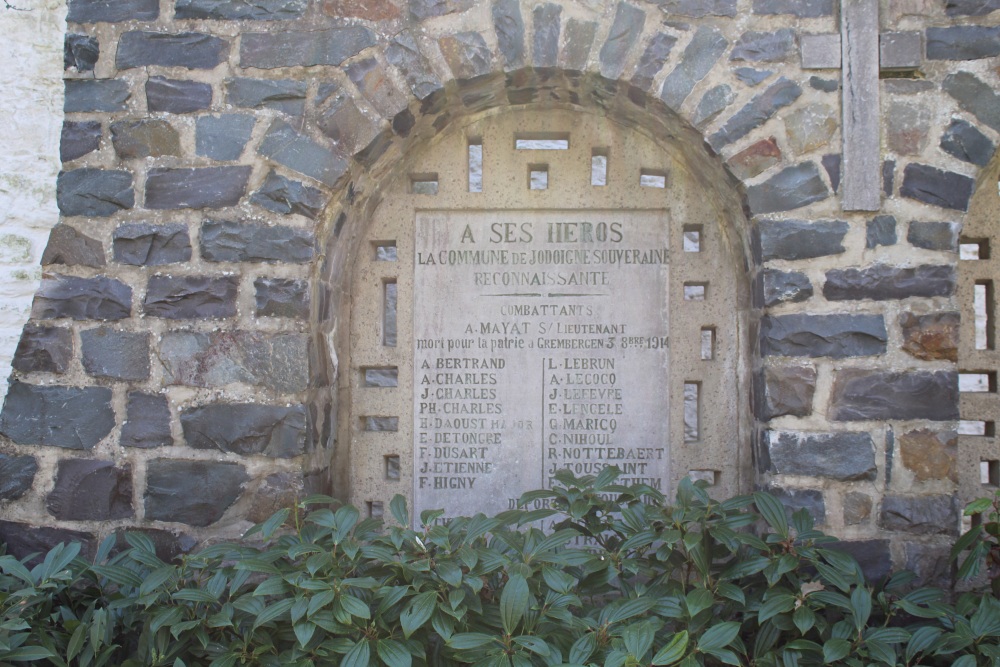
540,343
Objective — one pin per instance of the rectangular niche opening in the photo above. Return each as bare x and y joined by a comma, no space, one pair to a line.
989,472
385,251
692,411
390,296
380,376
692,238
376,509
424,184
379,424
709,476
392,469
652,178
695,291
973,249
599,166
707,343
982,303
475,164
538,176
977,382
541,141
972,427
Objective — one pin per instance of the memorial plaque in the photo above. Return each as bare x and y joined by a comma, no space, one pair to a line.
540,343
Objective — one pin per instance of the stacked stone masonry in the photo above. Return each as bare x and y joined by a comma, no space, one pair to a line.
221,159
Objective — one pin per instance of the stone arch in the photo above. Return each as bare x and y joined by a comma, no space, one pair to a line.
537,91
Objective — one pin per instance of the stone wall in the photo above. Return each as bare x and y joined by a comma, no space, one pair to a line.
222,158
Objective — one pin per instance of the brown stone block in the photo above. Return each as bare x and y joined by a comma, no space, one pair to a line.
930,337
930,454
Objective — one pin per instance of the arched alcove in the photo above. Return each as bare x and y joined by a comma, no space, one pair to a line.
660,175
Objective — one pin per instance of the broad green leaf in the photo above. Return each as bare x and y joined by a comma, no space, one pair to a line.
638,638
558,580
698,601
583,648
274,523
514,602
417,612
773,512
304,631
117,574
776,604
319,601
393,653
835,649
193,595
28,654
965,661
398,508
358,656
272,612
355,607
804,618
13,567
673,651
533,644
718,636
921,640
157,578
861,607
469,640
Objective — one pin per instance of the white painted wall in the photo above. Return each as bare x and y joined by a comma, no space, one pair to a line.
31,113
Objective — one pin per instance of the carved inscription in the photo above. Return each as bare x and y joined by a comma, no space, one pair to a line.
540,343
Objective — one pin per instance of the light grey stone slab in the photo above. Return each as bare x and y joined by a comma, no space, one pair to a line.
860,127
820,51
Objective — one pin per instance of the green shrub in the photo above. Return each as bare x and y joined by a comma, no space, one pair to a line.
602,575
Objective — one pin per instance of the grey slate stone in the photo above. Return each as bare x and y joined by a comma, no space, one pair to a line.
963,42
765,47
800,8
121,355
970,7
824,85
935,186
546,26
22,540
698,8
342,121
94,193
112,11
299,152
921,515
269,50
873,556
54,416
223,137
404,54
831,164
177,95
17,474
930,562
798,499
784,390
712,104
700,55
791,188
147,421
148,137
208,187
371,79
860,394
283,95
934,235
509,27
888,177
846,457
964,141
233,10
652,60
974,96
277,361
197,493
97,298
425,9
467,54
80,52
751,76
579,40
283,195
834,336
225,241
191,297
70,247
756,112
774,287
89,490
798,239
193,50
625,30
144,244
43,349
280,297
881,282
247,429
880,230
79,138
82,95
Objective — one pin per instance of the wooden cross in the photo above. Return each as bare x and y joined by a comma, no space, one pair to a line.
860,52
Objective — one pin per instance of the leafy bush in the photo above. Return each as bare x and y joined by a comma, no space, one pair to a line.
982,541
617,578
